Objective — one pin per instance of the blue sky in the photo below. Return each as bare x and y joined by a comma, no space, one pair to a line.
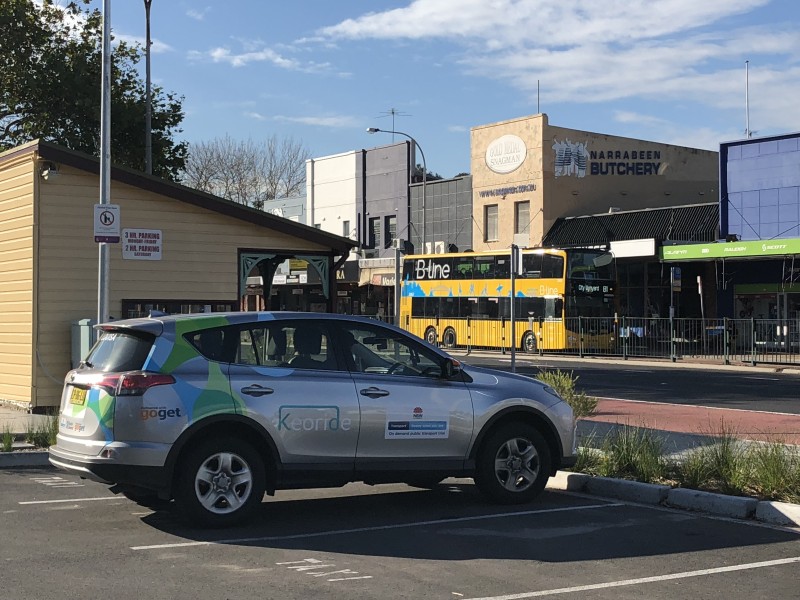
322,71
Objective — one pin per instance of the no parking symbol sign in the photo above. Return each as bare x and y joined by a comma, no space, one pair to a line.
106,223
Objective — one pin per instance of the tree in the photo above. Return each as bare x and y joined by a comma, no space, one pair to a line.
429,176
50,87
248,172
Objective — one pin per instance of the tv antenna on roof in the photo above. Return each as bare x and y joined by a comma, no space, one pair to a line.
393,112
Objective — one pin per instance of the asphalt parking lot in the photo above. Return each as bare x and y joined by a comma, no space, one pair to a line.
63,537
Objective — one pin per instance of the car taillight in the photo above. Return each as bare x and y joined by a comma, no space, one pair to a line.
134,383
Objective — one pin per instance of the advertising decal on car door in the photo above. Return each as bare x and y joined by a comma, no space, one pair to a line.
416,425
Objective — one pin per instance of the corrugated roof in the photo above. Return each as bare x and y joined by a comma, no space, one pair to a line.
695,223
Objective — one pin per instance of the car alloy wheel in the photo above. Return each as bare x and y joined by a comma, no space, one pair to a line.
221,483
513,464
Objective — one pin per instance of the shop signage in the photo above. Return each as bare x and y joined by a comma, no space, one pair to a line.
384,280
504,191
753,248
141,244
575,159
506,154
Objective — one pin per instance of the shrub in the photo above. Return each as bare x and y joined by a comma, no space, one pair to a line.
775,472
8,439
44,434
634,453
564,382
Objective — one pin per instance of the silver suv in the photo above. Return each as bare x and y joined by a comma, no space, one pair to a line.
213,410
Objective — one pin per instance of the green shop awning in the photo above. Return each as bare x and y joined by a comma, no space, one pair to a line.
750,249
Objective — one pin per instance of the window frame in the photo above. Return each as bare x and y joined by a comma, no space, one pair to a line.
487,233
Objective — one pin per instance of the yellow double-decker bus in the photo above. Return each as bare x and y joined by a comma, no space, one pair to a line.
564,299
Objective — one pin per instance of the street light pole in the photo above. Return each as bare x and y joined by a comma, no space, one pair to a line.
424,171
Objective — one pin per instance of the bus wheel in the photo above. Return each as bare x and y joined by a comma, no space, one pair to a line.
430,335
449,338
529,342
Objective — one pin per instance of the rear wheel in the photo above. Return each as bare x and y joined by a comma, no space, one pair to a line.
513,464
449,338
529,342
221,482
430,335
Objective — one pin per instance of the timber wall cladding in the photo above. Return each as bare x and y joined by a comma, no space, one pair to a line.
199,259
16,279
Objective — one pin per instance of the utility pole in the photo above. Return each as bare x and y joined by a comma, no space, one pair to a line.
148,115
105,162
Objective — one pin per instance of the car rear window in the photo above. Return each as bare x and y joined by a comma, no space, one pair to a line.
119,351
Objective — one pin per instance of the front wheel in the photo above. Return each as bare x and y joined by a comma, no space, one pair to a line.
513,464
221,482
529,342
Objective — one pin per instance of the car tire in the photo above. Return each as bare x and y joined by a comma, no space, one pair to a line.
221,482
529,342
513,464
449,338
430,335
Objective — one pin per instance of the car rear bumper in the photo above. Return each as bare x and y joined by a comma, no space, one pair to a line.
109,470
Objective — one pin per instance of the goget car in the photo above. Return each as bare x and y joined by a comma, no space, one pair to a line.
214,410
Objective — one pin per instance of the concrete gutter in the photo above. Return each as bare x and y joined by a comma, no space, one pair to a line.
24,458
737,507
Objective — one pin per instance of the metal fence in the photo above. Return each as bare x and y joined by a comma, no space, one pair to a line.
727,341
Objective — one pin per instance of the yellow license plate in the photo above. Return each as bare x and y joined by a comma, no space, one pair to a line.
78,396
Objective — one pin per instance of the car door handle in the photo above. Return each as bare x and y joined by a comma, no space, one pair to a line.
374,392
257,390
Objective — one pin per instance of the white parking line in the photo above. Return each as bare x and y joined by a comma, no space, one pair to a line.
655,579
375,528
70,500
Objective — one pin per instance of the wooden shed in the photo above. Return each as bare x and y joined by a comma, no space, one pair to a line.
180,249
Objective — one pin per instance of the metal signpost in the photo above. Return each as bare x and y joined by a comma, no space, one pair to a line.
516,268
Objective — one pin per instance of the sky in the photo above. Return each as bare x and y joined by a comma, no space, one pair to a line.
323,71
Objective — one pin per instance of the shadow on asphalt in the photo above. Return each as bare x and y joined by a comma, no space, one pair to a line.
453,522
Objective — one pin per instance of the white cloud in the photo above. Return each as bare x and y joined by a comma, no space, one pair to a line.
457,128
254,115
198,14
156,46
333,122
256,52
679,51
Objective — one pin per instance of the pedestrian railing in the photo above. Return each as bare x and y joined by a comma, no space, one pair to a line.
727,341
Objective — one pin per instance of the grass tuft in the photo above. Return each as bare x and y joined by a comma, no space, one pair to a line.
8,439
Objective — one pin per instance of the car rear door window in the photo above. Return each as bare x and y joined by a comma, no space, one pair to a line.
295,344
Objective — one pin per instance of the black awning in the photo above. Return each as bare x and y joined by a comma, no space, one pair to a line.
691,223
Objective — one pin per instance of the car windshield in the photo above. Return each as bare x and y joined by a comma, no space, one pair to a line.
119,351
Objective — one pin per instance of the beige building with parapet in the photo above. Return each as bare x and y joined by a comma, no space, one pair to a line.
527,173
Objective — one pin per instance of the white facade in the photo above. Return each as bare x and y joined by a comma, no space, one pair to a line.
331,192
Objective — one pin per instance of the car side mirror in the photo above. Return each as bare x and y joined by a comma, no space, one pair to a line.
451,368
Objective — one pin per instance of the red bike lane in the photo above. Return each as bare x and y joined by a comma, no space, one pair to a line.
700,420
